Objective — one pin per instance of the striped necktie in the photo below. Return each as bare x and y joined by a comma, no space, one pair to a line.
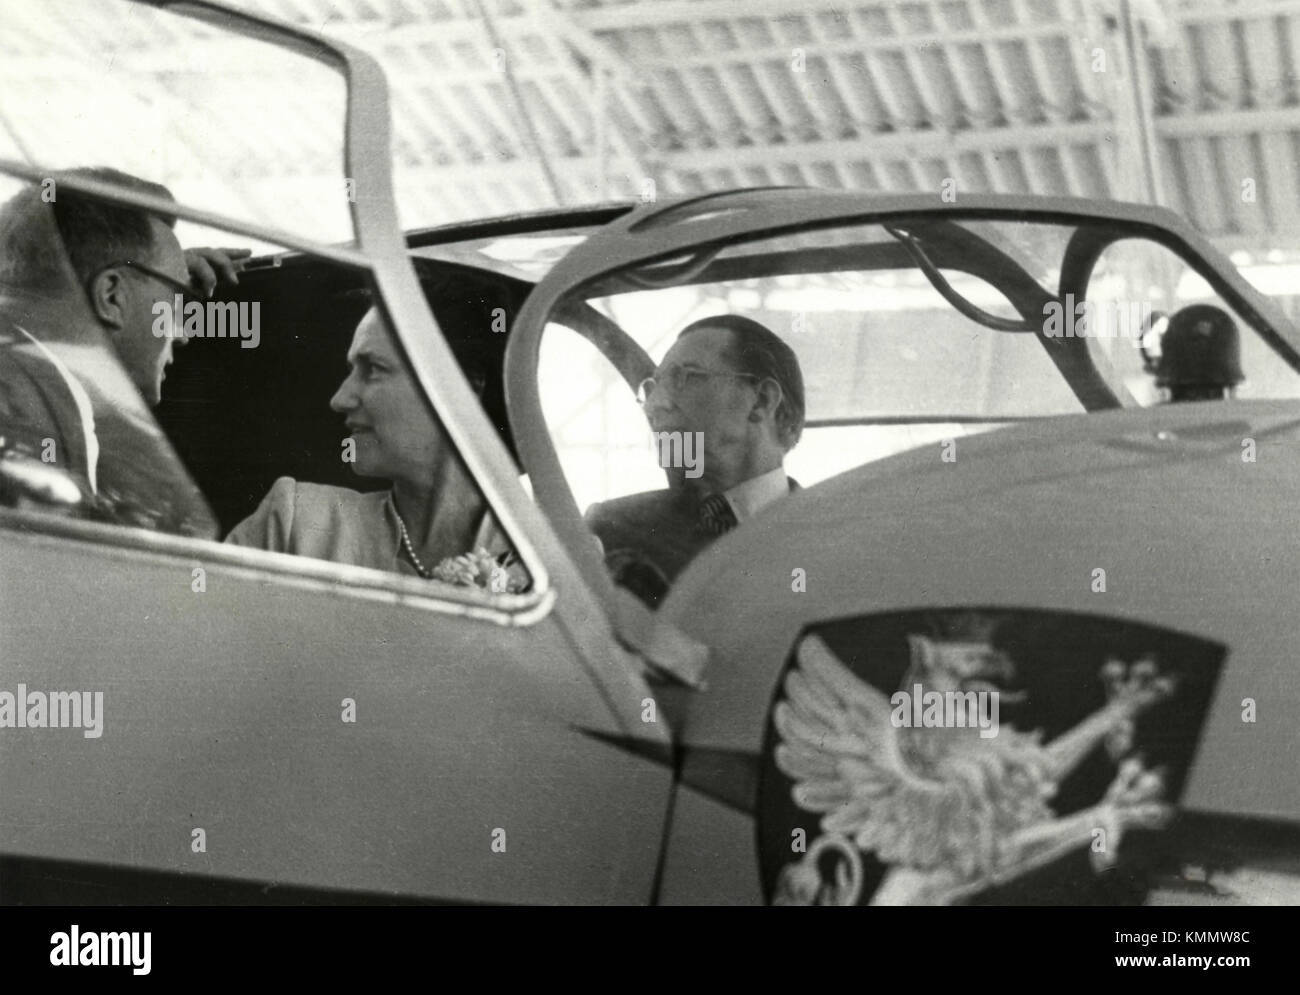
716,516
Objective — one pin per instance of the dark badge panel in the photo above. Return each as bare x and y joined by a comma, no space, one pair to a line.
977,757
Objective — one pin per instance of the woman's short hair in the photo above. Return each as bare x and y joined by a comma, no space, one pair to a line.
760,352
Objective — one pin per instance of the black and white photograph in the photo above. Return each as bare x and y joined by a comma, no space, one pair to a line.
650,452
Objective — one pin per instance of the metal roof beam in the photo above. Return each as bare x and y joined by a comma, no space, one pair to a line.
1237,12
902,43
1231,122
649,15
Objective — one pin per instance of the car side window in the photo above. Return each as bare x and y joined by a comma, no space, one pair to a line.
888,362
347,461
281,413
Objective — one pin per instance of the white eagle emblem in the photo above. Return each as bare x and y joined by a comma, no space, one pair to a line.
951,812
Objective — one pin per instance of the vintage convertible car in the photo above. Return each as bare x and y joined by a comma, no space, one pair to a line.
997,512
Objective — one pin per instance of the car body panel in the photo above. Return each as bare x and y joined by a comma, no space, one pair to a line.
1020,520
711,854
224,710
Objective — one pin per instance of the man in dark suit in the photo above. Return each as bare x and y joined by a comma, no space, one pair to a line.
82,282
736,387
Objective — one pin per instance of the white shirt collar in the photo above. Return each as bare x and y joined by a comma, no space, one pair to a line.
750,497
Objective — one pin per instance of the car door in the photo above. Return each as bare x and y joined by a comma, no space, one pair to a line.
193,722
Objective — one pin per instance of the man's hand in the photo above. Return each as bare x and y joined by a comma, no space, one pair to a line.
210,266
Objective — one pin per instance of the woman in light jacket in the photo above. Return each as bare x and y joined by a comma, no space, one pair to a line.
432,523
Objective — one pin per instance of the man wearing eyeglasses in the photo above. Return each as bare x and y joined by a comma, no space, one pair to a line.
127,262
735,386
69,259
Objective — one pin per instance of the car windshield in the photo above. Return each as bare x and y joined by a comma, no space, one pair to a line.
907,332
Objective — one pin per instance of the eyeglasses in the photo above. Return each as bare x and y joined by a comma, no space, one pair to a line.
184,289
679,378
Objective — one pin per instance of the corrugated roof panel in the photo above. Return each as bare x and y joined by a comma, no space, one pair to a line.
1003,94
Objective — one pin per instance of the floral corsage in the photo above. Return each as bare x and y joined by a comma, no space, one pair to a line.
500,574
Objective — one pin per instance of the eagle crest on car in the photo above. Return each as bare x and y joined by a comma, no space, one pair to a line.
950,812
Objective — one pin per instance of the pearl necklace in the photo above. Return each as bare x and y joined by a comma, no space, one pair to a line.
420,568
